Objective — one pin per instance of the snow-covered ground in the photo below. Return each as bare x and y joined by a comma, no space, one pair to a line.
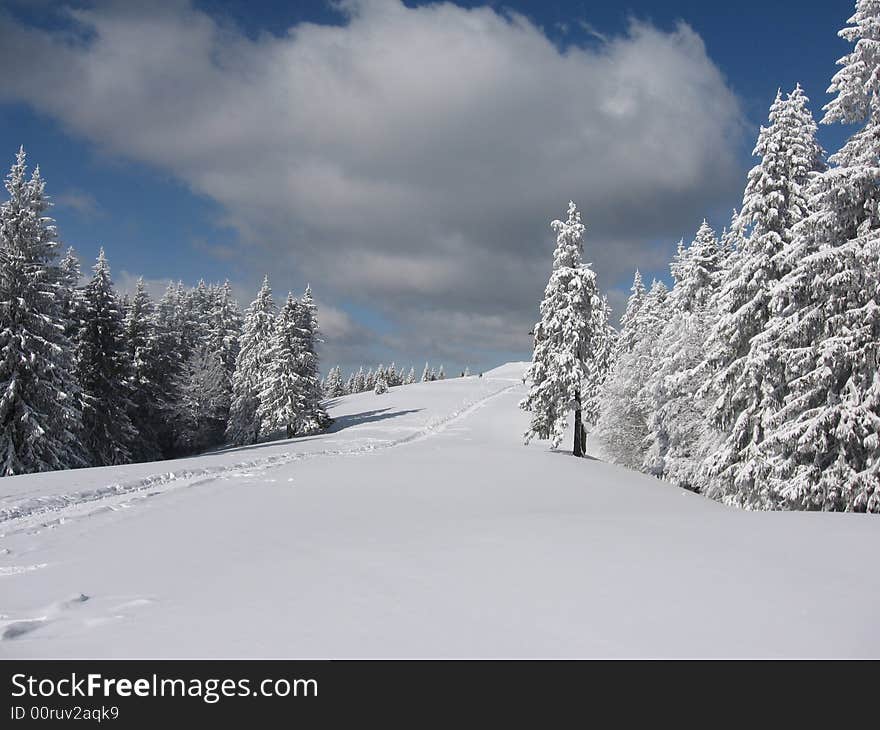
419,526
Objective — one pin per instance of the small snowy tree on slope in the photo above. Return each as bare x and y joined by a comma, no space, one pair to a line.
250,366
334,387
40,421
381,386
569,338
282,399
313,417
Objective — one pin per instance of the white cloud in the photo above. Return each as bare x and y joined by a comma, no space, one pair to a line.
84,204
409,159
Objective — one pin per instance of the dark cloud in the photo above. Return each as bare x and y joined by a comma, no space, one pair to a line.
408,160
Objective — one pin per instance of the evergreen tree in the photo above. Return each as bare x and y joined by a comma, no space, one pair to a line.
282,397
749,382
146,367
203,403
381,385
411,378
360,381
334,387
244,418
570,340
69,296
622,424
677,427
426,374
823,443
224,326
40,420
313,417
104,371
350,385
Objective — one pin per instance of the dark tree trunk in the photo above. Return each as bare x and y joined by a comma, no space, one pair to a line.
579,436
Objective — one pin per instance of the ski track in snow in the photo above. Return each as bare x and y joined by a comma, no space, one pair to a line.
50,511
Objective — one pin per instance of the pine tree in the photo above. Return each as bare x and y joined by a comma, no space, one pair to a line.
677,426
40,420
313,417
622,424
334,387
146,364
426,374
440,374
391,375
224,326
69,295
411,378
203,403
104,372
823,442
281,396
748,385
570,340
381,385
360,381
244,419
350,385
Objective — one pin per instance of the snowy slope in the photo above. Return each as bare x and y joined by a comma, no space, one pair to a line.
419,526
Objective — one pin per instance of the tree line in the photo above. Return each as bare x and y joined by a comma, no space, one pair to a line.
89,378
755,378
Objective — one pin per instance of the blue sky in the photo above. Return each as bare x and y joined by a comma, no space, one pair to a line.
413,249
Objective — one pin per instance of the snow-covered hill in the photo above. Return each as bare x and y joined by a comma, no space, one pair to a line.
419,526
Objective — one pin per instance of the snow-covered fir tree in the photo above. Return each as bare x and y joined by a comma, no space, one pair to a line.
391,377
40,420
411,377
350,384
359,384
570,341
70,296
224,327
203,402
678,430
748,384
104,372
824,441
146,366
334,387
244,419
282,397
381,386
370,380
622,424
426,374
313,416
440,374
